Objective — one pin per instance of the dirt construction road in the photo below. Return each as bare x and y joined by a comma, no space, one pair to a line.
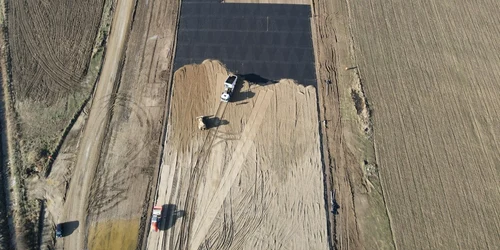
245,183
75,207
122,190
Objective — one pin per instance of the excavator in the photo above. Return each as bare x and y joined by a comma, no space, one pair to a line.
202,122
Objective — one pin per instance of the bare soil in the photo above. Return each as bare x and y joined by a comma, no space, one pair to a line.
87,158
51,45
404,153
53,189
253,180
125,176
431,70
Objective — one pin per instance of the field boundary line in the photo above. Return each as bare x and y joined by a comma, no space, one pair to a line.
9,133
325,155
358,79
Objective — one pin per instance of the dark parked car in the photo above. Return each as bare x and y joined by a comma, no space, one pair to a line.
59,230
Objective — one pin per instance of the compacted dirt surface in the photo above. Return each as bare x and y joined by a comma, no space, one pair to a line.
244,183
75,206
125,175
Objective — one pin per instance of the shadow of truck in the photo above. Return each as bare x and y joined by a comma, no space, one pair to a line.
66,228
169,216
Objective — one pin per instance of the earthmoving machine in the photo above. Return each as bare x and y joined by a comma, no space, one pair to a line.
201,122
228,88
155,219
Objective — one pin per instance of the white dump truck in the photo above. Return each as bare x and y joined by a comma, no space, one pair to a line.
228,88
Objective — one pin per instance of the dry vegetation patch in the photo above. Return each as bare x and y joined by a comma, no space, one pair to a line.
110,235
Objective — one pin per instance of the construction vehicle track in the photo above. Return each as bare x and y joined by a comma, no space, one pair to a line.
196,172
248,184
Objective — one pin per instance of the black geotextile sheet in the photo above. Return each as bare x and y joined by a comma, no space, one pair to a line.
272,41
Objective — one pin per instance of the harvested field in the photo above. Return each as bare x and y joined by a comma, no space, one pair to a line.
245,183
52,67
51,46
51,43
431,71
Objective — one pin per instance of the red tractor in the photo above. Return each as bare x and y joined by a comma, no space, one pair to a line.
155,219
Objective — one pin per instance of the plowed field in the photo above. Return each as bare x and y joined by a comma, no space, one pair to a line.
52,47
51,43
431,70
53,66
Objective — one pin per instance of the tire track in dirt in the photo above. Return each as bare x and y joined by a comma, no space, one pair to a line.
109,187
255,199
236,163
48,51
176,185
76,205
334,160
272,173
132,109
180,155
196,173
224,237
